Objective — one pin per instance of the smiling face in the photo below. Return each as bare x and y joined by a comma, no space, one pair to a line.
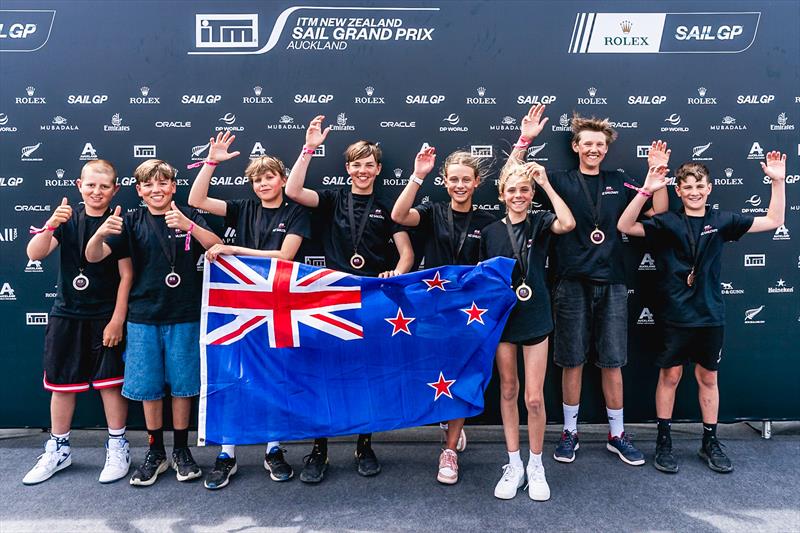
693,192
460,182
157,193
517,194
363,172
97,187
591,147
268,186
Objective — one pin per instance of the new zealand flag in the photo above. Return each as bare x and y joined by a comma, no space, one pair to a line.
290,351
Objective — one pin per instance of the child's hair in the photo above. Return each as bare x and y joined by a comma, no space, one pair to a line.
581,124
264,164
101,166
480,166
698,171
361,149
512,168
151,169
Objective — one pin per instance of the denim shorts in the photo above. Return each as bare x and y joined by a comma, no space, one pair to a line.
159,355
590,313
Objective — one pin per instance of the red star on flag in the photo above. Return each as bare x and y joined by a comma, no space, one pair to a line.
436,282
442,387
400,323
474,313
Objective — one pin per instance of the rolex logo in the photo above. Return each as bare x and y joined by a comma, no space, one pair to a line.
701,91
30,90
481,91
626,26
369,90
398,172
144,90
728,172
592,91
60,173
257,90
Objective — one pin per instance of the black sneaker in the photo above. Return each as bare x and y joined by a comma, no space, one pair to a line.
368,464
276,465
567,446
220,475
664,460
315,465
155,463
184,464
711,452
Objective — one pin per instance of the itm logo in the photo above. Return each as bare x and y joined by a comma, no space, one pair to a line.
781,233
480,100
755,260
750,315
314,260
642,151
647,263
698,151
481,150
25,30
645,317
257,151
7,293
783,124
26,154
88,152
319,152
144,151
36,319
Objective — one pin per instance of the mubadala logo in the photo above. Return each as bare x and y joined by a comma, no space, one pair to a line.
425,99
398,124
30,99
454,122
369,99
7,293
88,153
286,122
481,100
545,99
59,181
145,151
398,178
646,99
564,124
703,99
145,98
481,150
751,314
341,123
229,119
729,179
782,124
756,152
313,98
27,152
698,151
257,151
592,100
727,288
507,123
781,233
116,124
201,99
257,98
59,123
728,123
36,319
533,152
8,234
755,206
674,121
647,262
755,99
780,288
173,124
645,317
4,126
755,260
87,99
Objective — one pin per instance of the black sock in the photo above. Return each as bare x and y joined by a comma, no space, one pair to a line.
321,445
664,426
364,442
709,431
181,438
156,438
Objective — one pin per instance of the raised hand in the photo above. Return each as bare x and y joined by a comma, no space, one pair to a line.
775,167
112,225
532,123
658,155
175,219
537,173
61,215
315,134
218,249
424,162
219,147
656,178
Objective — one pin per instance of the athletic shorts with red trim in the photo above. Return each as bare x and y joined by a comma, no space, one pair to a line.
75,358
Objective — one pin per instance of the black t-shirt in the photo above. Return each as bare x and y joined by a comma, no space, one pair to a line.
700,305
337,236
98,299
289,218
151,301
574,254
440,244
532,318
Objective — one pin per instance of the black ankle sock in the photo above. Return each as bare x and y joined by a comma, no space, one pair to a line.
181,438
664,426
322,446
709,431
156,438
364,442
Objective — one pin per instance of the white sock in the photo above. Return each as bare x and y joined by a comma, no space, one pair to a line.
535,459
571,417
271,445
229,449
515,460
116,433
615,422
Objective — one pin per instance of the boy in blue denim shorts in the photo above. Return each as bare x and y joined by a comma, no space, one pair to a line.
165,244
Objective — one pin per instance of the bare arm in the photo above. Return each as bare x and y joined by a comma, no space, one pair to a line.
112,334
403,212
656,157
655,181
775,168
96,248
291,244
217,153
42,244
564,222
403,243
531,126
297,177
175,219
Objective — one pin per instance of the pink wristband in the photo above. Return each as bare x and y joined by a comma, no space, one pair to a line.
637,189
307,150
34,230
188,243
201,163
522,142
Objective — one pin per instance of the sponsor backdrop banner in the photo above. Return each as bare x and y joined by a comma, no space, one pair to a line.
158,80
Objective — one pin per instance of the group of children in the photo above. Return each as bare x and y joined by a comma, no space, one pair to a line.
140,272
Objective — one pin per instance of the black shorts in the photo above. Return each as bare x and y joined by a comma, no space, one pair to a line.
697,345
75,358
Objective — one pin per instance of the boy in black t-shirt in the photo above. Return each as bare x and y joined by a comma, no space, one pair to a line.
266,226
689,254
356,240
84,337
165,246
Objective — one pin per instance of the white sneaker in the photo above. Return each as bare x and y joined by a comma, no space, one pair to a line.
53,459
513,478
118,460
448,467
538,489
461,445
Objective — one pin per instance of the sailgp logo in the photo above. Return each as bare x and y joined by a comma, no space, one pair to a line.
239,33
